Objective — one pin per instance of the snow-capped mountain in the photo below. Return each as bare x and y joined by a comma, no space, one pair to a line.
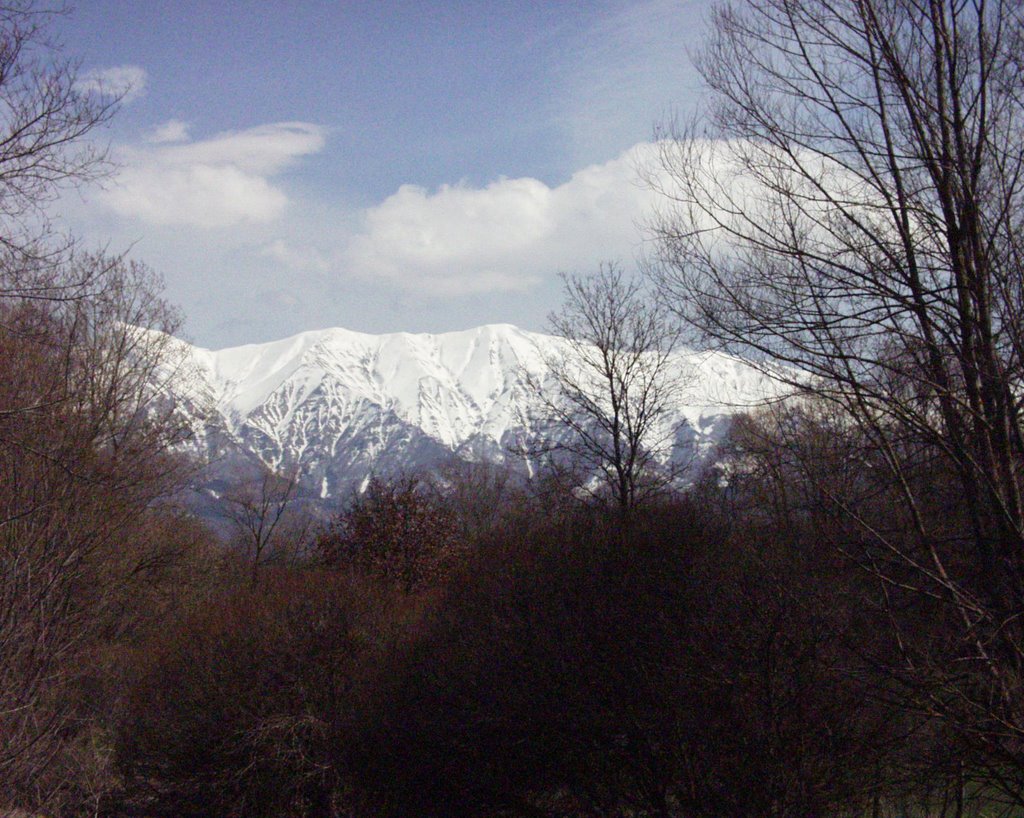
340,405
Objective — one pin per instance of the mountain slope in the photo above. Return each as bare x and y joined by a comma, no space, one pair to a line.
342,405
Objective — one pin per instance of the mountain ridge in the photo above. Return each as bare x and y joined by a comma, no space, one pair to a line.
337,405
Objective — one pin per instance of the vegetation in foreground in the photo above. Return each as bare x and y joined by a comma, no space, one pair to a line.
828,624
546,659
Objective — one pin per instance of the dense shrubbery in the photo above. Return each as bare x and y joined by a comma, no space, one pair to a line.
244,707
700,662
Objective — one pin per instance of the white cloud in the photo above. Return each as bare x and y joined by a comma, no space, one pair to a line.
217,182
198,195
418,259
265,149
128,82
173,130
504,236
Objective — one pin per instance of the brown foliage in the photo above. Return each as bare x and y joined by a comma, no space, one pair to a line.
398,530
243,708
701,662
84,453
669,671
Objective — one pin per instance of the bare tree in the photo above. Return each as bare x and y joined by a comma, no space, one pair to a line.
85,449
853,207
267,523
617,383
398,530
84,440
47,119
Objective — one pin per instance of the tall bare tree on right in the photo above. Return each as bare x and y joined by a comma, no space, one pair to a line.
852,206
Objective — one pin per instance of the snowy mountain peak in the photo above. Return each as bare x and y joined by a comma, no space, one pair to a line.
340,405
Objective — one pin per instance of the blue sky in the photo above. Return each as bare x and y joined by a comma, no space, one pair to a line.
381,166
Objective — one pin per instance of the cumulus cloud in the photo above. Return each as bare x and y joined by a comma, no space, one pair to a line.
127,82
217,182
505,236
